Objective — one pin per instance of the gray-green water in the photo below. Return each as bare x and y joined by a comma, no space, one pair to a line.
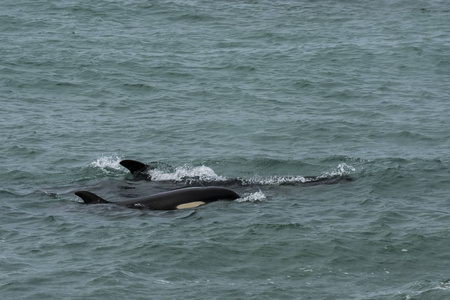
262,90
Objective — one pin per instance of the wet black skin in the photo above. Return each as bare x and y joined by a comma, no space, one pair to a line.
167,200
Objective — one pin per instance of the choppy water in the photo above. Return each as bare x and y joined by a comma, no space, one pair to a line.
267,91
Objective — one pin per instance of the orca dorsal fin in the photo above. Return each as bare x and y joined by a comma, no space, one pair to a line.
90,198
133,165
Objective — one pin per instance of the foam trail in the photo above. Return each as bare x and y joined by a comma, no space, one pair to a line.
276,180
341,170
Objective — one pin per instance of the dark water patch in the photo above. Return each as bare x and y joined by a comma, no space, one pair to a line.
139,86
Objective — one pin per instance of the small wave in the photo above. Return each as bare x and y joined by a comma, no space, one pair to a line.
256,196
186,173
106,163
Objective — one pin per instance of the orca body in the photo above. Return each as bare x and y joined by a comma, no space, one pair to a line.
176,199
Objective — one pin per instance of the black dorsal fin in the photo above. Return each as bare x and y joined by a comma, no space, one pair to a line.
134,166
90,198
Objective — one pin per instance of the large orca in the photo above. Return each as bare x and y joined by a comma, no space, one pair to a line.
176,199
140,170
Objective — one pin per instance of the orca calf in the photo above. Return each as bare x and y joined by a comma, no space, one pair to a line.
176,199
140,170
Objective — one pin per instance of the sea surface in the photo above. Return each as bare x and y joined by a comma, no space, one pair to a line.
264,91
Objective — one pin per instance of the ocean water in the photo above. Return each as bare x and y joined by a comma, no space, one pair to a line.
266,91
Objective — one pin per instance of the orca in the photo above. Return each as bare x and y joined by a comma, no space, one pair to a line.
140,170
176,199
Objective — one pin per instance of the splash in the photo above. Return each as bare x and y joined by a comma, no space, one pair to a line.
105,163
341,170
186,173
445,285
257,196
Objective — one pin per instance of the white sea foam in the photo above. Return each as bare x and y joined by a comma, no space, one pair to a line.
201,173
107,162
341,170
443,286
276,180
256,196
